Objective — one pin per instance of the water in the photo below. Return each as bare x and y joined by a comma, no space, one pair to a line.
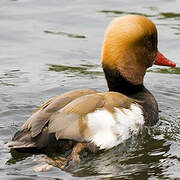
50,47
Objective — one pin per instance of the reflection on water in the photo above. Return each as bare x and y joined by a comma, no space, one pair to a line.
16,157
65,34
166,15
159,15
116,12
86,70
175,70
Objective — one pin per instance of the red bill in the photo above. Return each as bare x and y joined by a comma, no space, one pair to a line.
161,60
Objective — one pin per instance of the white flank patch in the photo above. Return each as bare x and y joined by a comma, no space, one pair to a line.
110,130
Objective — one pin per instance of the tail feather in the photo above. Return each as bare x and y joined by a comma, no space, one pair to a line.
19,144
21,139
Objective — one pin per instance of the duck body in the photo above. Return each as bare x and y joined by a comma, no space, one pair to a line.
101,120
87,117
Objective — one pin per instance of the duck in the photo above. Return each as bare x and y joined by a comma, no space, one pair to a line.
92,120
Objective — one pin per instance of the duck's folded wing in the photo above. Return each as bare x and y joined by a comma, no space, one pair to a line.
39,118
35,125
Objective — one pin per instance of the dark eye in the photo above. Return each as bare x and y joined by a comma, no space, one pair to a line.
150,42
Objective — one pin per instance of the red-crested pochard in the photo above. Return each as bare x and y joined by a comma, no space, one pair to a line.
93,120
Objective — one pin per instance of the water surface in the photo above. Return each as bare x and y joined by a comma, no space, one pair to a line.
50,47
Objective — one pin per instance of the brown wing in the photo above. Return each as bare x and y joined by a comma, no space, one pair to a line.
35,125
40,117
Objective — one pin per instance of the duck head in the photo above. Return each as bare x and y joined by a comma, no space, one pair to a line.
130,47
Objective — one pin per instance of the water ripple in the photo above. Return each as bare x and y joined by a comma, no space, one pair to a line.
65,34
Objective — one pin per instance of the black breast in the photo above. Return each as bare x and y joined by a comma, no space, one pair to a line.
149,104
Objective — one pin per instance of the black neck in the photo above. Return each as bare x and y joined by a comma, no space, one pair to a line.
116,82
